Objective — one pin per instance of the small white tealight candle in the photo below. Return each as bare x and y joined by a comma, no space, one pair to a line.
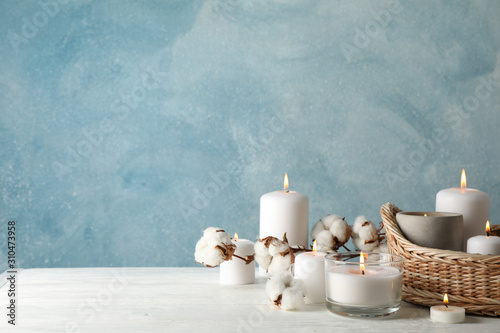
446,313
310,268
236,271
484,244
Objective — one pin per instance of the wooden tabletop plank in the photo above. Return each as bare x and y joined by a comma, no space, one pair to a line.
182,300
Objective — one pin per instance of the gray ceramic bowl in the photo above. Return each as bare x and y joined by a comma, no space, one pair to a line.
437,230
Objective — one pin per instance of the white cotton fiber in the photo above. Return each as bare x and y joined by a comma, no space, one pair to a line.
280,263
381,248
368,232
290,289
215,236
206,252
276,247
317,228
341,230
358,223
292,299
275,287
209,256
366,247
329,219
324,241
262,255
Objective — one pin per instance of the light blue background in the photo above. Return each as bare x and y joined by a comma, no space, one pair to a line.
181,114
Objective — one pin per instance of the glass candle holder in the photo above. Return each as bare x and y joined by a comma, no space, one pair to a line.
363,284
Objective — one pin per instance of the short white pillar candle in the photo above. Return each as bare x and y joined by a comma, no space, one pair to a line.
310,268
447,314
484,244
236,271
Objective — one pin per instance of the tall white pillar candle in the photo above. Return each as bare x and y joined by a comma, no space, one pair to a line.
474,206
236,271
484,244
310,268
285,212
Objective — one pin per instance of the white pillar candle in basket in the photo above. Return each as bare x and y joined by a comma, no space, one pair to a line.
474,206
236,271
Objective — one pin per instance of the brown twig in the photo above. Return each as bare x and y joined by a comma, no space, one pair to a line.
246,259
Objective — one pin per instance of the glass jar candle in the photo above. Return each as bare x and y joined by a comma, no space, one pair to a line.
363,284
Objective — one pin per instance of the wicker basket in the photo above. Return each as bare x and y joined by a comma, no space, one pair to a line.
472,281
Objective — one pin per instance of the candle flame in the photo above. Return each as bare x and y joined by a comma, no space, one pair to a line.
425,214
236,236
488,229
285,182
445,299
314,246
463,180
362,265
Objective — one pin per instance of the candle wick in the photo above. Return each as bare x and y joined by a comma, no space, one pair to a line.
287,191
446,305
362,272
487,234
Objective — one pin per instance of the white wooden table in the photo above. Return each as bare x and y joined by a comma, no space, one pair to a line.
182,300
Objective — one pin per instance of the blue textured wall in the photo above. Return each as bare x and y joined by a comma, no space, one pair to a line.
128,127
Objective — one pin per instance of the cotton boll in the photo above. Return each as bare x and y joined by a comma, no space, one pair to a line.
358,223
329,219
224,238
263,260
292,299
285,291
341,230
261,248
262,255
276,285
216,236
368,247
276,247
317,228
323,224
324,241
206,254
280,263
209,256
201,244
214,247
368,232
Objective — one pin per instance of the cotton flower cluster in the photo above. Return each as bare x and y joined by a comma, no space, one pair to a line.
285,292
365,236
214,247
330,233
274,255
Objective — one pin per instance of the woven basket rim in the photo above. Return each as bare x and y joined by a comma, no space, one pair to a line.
389,210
